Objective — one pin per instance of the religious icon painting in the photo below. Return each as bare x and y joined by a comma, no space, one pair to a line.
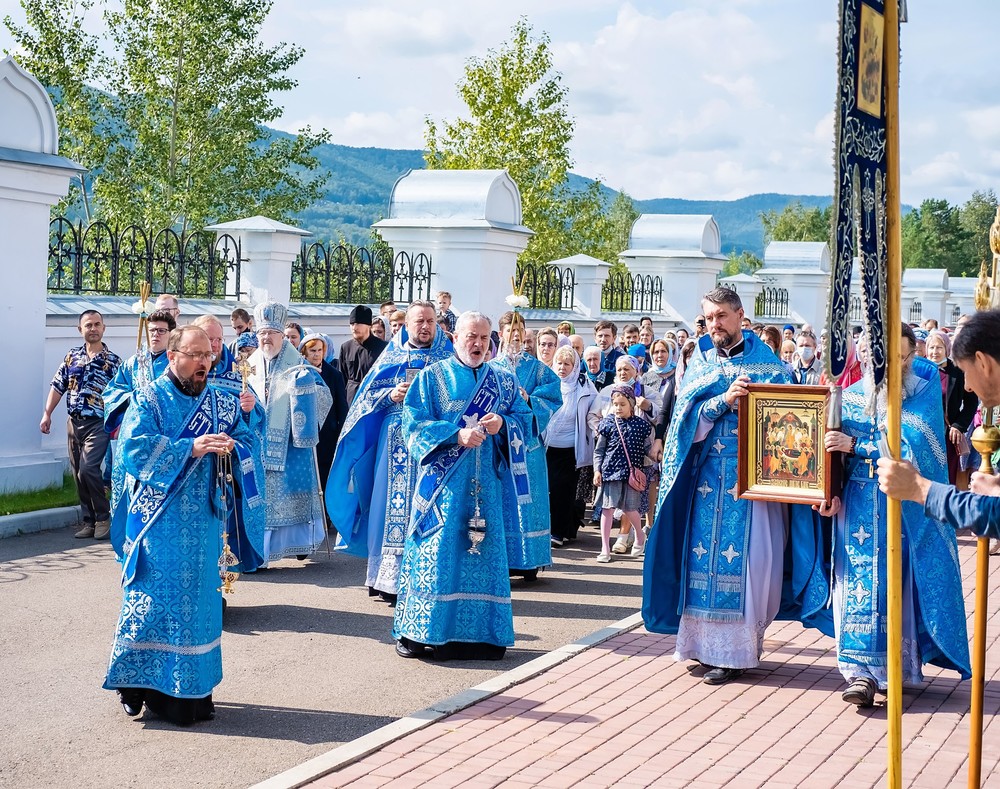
870,61
782,456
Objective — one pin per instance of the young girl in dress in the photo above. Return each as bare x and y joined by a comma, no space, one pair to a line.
623,441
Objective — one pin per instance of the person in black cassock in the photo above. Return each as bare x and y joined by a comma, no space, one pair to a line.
358,354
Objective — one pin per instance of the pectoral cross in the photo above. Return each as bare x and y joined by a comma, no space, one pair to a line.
245,370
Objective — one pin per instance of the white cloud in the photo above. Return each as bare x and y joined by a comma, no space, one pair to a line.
691,98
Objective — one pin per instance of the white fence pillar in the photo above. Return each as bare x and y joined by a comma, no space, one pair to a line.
269,249
33,178
684,251
469,223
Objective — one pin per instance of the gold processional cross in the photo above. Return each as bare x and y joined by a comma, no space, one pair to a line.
245,370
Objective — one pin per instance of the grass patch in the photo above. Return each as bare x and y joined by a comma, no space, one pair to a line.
30,501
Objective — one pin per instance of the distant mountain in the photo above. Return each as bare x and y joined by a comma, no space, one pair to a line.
361,180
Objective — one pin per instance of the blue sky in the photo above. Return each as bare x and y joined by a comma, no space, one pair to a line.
711,99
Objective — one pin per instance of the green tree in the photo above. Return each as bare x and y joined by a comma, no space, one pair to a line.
186,86
518,121
745,262
933,237
976,217
797,223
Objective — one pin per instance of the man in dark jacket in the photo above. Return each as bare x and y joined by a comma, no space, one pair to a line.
358,354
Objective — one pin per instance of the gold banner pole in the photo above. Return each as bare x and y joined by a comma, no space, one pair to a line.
986,440
894,276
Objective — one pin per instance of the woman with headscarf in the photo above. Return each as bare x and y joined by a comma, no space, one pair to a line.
661,376
381,328
314,349
569,446
959,405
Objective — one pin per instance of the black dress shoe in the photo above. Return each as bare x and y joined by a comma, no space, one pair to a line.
861,691
410,649
388,597
720,676
131,699
204,709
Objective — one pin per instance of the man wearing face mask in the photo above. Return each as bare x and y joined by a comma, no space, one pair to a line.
808,368
296,401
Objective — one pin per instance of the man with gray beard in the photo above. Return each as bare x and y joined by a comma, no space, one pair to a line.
296,401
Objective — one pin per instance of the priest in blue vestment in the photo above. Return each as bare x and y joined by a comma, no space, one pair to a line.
715,569
197,487
460,422
140,369
370,487
933,607
529,543
296,401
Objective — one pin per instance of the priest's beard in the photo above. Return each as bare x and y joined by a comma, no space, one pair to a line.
725,340
194,385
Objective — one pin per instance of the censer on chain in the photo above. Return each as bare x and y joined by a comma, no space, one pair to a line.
477,523
228,562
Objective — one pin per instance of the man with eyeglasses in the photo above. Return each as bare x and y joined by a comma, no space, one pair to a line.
179,439
167,302
296,401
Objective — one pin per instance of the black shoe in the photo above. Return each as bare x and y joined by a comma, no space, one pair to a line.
861,691
204,709
720,676
131,699
372,591
530,576
411,649
388,597
302,556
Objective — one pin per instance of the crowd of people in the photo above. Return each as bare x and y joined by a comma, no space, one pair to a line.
452,455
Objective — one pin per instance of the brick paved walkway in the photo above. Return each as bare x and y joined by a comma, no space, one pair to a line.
624,713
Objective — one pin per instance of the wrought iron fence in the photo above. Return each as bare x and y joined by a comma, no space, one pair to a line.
772,303
547,287
916,312
99,258
345,274
623,292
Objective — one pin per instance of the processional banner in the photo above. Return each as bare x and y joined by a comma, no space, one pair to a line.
860,189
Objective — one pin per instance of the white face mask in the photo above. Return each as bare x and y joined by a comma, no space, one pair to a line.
806,353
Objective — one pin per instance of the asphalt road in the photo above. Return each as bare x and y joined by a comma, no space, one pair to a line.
307,656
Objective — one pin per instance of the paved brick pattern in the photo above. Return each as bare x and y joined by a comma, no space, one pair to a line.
626,714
